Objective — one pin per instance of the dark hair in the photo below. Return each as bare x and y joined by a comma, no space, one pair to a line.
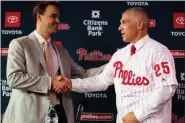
41,7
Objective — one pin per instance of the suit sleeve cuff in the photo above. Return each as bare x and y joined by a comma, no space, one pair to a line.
49,83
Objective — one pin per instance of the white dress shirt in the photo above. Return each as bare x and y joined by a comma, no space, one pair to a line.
144,82
54,55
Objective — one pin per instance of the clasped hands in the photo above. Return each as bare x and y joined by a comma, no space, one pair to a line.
60,84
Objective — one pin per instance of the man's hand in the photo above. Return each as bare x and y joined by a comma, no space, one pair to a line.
130,118
67,81
58,86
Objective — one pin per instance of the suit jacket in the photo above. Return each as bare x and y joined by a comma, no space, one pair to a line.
27,76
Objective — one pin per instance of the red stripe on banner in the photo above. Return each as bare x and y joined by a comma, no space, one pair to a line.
177,53
4,51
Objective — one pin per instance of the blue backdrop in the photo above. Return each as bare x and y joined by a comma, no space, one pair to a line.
89,31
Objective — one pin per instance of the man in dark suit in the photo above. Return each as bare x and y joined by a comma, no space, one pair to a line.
30,76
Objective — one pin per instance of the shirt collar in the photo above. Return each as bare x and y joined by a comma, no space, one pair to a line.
40,38
141,42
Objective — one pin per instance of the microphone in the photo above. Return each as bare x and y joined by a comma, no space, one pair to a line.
79,111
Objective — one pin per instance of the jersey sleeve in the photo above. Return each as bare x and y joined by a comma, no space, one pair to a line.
163,68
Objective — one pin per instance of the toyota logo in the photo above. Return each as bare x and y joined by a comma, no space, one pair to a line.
12,19
180,20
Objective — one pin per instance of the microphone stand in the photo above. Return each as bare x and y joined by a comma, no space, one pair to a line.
79,111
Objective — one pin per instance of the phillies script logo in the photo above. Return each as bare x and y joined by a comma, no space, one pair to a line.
96,55
127,76
63,26
176,120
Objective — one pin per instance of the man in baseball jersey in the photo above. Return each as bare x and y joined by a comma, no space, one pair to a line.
143,74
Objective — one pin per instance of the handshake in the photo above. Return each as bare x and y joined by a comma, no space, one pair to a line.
60,84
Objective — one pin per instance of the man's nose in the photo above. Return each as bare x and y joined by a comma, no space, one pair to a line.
119,28
58,21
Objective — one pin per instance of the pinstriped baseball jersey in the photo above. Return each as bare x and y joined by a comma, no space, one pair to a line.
136,79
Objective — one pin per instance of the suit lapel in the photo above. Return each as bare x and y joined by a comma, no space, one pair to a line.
37,50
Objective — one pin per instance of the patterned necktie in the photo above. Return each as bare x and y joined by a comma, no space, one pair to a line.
132,50
49,63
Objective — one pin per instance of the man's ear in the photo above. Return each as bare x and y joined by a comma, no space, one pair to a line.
38,16
140,25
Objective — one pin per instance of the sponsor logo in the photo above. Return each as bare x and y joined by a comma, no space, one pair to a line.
137,4
177,53
179,20
4,51
182,76
12,19
96,55
95,95
63,26
152,23
181,87
95,27
95,14
175,33
86,116
5,89
180,91
11,32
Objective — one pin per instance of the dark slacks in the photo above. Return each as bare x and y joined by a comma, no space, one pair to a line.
61,114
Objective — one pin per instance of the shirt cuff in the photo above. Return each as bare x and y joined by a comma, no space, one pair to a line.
75,85
140,115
